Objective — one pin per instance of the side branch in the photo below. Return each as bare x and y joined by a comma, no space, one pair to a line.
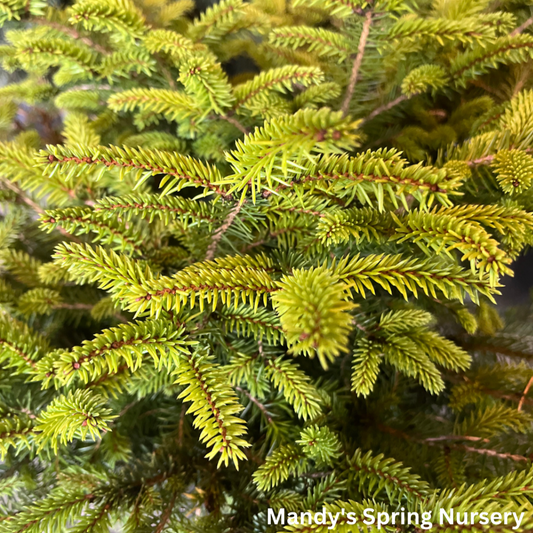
236,123
385,107
524,394
488,159
522,27
254,400
71,32
219,233
357,62
35,206
443,442
165,517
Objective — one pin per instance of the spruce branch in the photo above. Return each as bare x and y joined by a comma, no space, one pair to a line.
325,43
514,49
342,10
366,362
17,163
127,343
214,405
216,21
109,269
173,43
166,208
77,414
373,174
359,273
20,347
181,171
231,279
387,474
85,220
295,386
122,19
466,30
245,321
285,461
280,79
284,144
314,313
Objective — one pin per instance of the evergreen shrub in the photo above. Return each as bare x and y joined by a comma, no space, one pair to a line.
250,258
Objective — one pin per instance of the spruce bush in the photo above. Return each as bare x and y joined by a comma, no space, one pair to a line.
250,259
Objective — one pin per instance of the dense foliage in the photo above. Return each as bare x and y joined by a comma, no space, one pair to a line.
250,259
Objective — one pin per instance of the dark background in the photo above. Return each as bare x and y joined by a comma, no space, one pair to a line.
517,290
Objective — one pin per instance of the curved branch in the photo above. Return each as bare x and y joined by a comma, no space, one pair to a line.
357,62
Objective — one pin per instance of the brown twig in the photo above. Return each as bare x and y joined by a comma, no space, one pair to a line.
180,425
126,408
524,77
166,73
166,515
18,351
488,159
482,85
22,195
358,326
262,408
35,206
219,233
357,62
71,32
455,437
385,107
76,306
493,453
522,27
436,441
524,394
27,412
235,123
90,87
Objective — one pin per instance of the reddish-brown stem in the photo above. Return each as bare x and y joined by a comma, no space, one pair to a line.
18,351
262,408
166,514
71,32
522,27
35,206
357,63
219,233
524,394
463,447
235,122
385,107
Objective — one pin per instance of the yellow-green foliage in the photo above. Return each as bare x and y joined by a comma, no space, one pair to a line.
268,236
